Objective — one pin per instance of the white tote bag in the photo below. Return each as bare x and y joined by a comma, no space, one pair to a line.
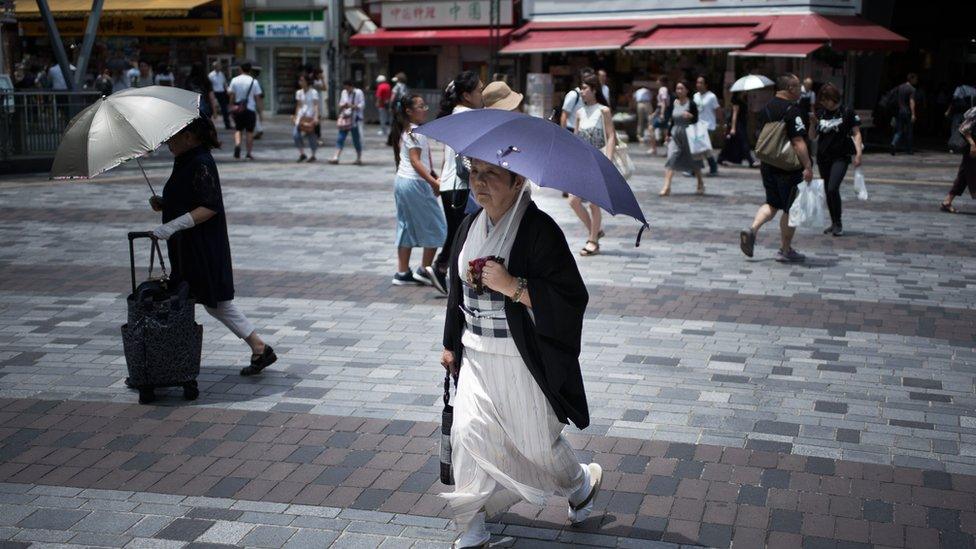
698,140
859,186
621,159
810,207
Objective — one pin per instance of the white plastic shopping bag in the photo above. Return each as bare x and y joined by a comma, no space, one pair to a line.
859,186
810,207
621,159
698,140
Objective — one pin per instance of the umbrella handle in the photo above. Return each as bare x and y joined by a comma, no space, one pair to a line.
138,161
639,233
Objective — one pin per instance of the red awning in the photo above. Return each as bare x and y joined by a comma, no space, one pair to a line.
741,32
570,36
425,37
841,32
779,49
718,37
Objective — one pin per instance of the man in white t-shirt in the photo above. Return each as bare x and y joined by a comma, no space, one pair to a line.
248,99
218,79
708,109
604,86
642,97
56,78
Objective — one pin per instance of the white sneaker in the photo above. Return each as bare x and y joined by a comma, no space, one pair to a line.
579,512
477,534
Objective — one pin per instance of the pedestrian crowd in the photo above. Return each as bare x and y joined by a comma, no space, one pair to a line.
515,297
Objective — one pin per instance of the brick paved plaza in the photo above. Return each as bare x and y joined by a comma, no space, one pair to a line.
734,403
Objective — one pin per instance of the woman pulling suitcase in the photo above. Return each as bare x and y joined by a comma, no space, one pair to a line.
195,230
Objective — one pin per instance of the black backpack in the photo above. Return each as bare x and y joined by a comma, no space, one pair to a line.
557,111
889,101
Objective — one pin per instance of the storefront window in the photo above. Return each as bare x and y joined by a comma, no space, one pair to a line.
421,69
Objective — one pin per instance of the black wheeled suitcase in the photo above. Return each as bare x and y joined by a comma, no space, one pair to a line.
161,339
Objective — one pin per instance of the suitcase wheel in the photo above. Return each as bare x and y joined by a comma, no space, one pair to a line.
190,390
146,395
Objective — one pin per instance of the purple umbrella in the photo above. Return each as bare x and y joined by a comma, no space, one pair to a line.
541,151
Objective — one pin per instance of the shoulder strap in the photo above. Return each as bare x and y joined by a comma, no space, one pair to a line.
247,94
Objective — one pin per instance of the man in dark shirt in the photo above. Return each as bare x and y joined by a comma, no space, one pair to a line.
905,118
780,184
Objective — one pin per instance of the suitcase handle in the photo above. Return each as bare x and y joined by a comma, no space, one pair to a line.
154,251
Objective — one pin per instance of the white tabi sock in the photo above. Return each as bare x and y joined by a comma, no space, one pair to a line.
477,532
584,490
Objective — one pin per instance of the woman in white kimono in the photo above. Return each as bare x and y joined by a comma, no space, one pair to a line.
512,337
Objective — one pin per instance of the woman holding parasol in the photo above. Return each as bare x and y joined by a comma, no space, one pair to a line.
514,320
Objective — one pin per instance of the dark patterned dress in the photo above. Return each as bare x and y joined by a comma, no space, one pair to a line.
199,255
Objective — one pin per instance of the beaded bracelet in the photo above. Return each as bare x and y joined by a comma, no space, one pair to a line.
522,283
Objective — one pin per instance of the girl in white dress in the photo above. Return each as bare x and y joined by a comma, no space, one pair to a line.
594,124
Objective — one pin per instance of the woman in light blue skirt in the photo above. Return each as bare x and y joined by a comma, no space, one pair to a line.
420,219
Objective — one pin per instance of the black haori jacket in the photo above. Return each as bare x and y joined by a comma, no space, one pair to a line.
550,347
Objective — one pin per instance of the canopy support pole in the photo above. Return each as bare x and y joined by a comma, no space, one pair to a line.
55,37
86,46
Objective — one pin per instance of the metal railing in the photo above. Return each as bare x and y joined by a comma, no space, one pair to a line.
32,122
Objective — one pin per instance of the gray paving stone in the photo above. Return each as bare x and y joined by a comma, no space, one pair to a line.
52,519
269,536
12,514
43,535
225,532
357,541
107,522
149,526
183,529
100,539
307,538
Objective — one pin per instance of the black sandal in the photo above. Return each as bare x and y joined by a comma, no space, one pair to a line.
947,208
260,362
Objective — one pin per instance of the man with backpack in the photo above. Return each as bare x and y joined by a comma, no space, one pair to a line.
784,154
573,102
902,97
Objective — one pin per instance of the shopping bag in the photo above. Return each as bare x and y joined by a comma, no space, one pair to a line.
859,186
698,140
621,159
809,210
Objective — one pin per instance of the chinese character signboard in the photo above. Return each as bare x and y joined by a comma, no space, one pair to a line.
444,13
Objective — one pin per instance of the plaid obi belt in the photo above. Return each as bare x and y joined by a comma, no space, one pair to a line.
484,314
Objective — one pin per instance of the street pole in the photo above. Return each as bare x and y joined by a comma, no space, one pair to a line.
86,46
336,14
492,43
56,44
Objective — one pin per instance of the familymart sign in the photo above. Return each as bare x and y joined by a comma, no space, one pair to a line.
285,25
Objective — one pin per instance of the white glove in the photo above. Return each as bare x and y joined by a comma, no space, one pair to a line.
166,230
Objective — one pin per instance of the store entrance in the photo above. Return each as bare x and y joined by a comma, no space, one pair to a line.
289,63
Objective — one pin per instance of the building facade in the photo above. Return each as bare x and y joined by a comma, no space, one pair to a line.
285,38
156,33
429,41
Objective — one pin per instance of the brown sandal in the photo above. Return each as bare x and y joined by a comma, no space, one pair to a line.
947,208
587,251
